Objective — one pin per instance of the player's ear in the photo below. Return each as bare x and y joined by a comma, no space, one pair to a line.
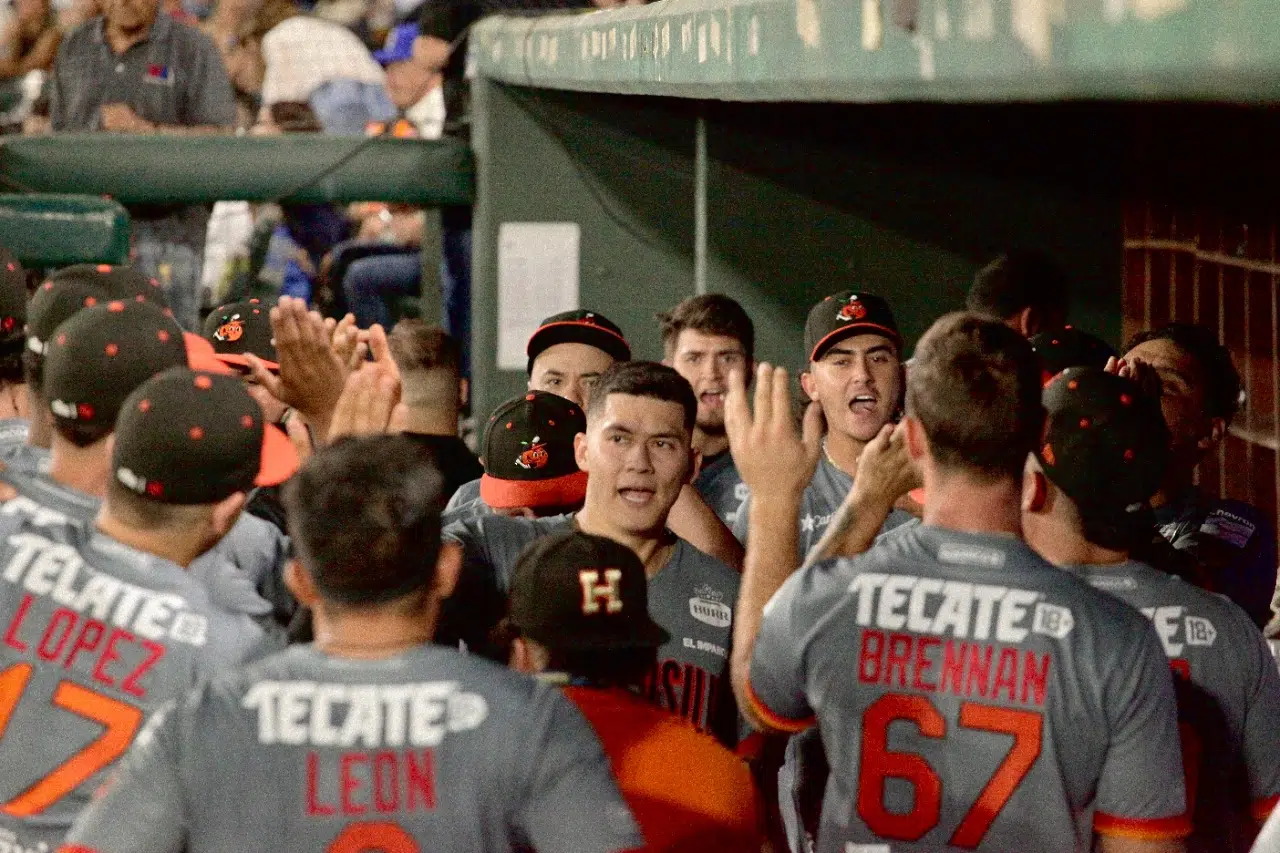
521,659
580,451
448,567
227,511
1211,439
1027,321
695,465
807,384
1035,487
913,435
299,582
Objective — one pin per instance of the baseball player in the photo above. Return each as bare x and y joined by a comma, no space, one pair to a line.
580,619
1105,450
372,738
530,467
1026,290
97,358
855,375
704,338
1200,397
970,694
637,455
102,625
567,354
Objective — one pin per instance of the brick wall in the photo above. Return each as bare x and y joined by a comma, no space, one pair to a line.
1218,268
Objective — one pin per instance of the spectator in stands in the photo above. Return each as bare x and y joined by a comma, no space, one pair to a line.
373,274
320,63
1234,542
30,40
579,617
1027,290
137,71
432,393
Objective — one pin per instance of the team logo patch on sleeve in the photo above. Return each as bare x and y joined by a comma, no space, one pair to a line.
708,607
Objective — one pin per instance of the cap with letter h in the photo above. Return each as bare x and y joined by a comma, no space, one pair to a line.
578,592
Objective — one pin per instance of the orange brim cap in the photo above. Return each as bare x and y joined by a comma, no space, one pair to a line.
238,360
279,458
568,490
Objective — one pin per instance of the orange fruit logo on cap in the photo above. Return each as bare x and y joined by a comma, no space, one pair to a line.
535,457
852,310
230,331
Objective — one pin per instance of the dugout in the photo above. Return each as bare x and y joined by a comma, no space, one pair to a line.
779,150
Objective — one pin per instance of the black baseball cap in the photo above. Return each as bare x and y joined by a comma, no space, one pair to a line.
13,294
100,355
844,315
1106,444
574,591
240,328
1069,347
122,282
578,327
190,437
55,302
528,453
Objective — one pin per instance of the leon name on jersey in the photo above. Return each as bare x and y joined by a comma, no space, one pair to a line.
96,616
413,719
962,636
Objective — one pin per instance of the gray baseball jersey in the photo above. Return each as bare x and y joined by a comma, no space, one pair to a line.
692,598
1228,699
255,547
13,433
25,459
430,750
971,695
722,488
94,636
822,497
467,493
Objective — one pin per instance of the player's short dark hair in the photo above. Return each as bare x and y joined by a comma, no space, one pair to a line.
599,667
364,515
710,314
143,513
974,385
1218,371
606,667
417,346
644,379
33,370
1019,280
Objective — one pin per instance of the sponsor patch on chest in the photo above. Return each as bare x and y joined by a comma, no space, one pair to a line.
709,608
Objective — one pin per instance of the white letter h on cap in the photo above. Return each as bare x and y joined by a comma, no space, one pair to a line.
593,592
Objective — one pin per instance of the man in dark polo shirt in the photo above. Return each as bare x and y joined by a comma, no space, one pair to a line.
134,70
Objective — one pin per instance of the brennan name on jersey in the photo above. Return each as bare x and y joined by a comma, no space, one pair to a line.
966,611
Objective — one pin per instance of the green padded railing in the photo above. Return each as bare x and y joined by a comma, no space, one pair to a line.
196,169
46,230
853,50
